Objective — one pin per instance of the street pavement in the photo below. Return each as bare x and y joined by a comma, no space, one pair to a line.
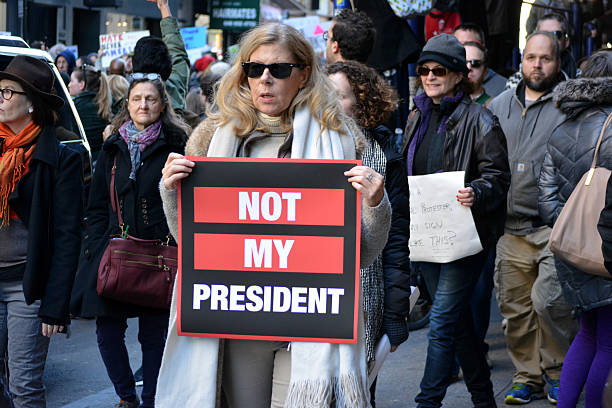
76,378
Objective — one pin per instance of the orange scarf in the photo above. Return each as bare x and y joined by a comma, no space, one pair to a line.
16,154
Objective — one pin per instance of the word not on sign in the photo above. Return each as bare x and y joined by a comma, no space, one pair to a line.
269,250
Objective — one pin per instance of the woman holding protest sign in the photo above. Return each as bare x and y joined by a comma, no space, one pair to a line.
273,103
144,132
448,132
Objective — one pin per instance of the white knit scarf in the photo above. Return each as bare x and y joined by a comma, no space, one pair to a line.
320,372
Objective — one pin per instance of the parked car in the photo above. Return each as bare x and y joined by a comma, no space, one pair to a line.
69,127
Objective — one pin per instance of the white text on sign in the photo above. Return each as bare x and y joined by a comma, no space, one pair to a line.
279,299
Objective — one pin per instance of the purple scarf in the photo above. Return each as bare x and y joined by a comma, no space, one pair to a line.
138,140
424,105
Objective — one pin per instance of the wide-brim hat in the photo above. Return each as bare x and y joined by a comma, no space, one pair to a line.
35,76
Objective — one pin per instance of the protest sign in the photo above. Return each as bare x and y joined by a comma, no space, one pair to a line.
269,250
441,229
312,29
116,45
195,42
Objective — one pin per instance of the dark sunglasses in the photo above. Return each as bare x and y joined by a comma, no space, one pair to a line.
437,71
279,70
559,34
476,63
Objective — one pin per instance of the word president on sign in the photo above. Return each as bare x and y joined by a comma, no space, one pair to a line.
273,103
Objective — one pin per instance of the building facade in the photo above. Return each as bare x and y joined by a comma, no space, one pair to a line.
72,23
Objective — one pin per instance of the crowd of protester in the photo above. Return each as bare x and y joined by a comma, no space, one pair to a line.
523,142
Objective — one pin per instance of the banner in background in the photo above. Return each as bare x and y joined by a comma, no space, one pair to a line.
195,42
116,45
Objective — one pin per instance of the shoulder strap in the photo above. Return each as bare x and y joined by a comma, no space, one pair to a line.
113,193
596,155
603,129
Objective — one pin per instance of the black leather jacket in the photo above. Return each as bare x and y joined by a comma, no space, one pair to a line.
475,143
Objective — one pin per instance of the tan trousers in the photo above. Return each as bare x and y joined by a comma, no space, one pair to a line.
256,373
540,326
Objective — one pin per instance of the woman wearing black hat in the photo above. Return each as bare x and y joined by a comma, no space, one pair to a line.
448,132
40,224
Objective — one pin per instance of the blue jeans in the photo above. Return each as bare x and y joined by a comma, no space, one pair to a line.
481,299
152,330
21,336
451,328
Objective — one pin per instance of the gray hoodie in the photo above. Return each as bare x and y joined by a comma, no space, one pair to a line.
527,131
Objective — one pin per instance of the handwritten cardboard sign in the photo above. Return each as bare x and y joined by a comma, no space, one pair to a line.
116,45
441,229
269,250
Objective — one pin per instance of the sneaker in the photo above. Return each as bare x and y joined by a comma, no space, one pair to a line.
138,377
135,403
519,394
553,390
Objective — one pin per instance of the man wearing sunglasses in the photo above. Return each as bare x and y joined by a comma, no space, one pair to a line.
476,57
557,25
540,323
493,83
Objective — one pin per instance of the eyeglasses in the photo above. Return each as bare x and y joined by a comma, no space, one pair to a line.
279,70
326,35
437,71
7,93
559,34
136,76
475,63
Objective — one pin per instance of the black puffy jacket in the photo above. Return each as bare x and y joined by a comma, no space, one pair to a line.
586,102
475,143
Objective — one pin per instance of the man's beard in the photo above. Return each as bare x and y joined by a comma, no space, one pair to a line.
543,85
476,84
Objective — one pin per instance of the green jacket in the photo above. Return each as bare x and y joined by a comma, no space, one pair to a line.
93,124
176,85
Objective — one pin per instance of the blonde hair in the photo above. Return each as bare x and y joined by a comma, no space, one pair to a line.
233,96
118,86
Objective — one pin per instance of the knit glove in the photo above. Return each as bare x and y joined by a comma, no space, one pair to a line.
397,330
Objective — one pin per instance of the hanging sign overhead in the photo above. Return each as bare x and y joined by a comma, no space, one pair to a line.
237,15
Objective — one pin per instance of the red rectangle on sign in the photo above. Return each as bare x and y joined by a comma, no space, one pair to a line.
270,253
301,206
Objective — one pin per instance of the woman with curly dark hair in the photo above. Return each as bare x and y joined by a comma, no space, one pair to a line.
366,97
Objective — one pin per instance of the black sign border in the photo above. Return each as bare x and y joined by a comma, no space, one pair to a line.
348,340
